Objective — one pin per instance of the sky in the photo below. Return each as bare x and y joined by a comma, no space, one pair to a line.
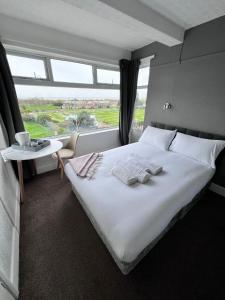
67,72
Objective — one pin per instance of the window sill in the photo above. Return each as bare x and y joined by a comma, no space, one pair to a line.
66,137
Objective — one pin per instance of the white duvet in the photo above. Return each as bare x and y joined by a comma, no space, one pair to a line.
131,217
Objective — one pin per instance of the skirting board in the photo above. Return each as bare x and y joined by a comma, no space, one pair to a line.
217,189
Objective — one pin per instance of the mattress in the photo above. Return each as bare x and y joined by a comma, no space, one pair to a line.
130,218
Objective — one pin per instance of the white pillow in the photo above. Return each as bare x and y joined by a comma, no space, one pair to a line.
203,150
160,138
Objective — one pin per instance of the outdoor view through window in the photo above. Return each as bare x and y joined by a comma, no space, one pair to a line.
54,102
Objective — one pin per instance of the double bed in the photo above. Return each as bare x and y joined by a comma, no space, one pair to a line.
131,219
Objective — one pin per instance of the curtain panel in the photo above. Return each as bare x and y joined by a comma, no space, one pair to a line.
9,108
128,90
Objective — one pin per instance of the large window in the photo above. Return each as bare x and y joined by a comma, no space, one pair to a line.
57,97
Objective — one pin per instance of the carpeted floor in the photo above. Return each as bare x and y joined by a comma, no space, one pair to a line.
62,257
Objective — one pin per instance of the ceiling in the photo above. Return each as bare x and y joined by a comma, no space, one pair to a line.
127,24
93,21
188,13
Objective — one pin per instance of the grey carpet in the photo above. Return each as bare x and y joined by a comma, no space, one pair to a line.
62,257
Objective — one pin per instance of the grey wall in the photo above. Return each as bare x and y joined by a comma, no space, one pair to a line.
195,86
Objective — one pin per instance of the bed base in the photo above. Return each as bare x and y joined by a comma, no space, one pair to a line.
125,267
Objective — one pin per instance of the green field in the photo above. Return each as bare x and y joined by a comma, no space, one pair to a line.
37,131
56,117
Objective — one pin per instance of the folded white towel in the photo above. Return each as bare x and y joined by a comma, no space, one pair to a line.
143,177
124,175
153,169
145,163
136,169
130,171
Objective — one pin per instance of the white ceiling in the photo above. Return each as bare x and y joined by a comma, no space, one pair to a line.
94,21
127,24
188,13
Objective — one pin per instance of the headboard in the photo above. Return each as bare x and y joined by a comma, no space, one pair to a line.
219,177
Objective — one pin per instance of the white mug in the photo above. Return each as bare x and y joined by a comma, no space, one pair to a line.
23,138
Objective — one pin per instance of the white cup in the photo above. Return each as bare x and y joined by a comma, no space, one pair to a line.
23,138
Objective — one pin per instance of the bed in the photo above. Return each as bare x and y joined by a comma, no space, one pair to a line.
131,219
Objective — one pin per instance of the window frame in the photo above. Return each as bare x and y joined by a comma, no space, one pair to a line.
14,53
107,69
49,80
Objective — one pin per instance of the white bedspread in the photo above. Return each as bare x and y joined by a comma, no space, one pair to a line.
130,217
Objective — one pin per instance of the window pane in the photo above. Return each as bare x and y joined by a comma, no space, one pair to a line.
108,76
26,67
143,76
140,105
49,111
66,71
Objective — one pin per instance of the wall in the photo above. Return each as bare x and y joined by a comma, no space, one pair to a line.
9,227
90,142
196,86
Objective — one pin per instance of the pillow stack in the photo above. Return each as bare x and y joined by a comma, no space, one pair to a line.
203,150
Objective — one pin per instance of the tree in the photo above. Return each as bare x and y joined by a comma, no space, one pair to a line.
83,119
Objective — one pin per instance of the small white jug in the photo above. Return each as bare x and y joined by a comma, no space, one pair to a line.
23,138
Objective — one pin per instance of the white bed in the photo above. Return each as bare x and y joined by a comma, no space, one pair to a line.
129,218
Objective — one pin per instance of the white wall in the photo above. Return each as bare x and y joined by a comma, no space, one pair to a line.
9,226
90,142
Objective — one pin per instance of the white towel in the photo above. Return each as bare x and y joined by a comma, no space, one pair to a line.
146,164
153,169
143,177
129,171
124,175
136,169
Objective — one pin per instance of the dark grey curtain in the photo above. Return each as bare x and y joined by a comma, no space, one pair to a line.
128,90
9,107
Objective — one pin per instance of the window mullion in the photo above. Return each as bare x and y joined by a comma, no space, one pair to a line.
94,72
48,69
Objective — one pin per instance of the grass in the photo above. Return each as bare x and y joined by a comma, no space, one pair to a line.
106,117
36,108
37,131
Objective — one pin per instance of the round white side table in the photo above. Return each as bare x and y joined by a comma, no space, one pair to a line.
20,155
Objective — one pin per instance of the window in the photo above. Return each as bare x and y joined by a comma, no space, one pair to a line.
141,97
71,96
26,67
53,111
108,76
143,76
66,71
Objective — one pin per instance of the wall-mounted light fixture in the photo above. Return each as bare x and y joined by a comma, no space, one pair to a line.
167,105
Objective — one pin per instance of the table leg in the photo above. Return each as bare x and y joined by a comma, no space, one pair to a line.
33,166
60,161
20,173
